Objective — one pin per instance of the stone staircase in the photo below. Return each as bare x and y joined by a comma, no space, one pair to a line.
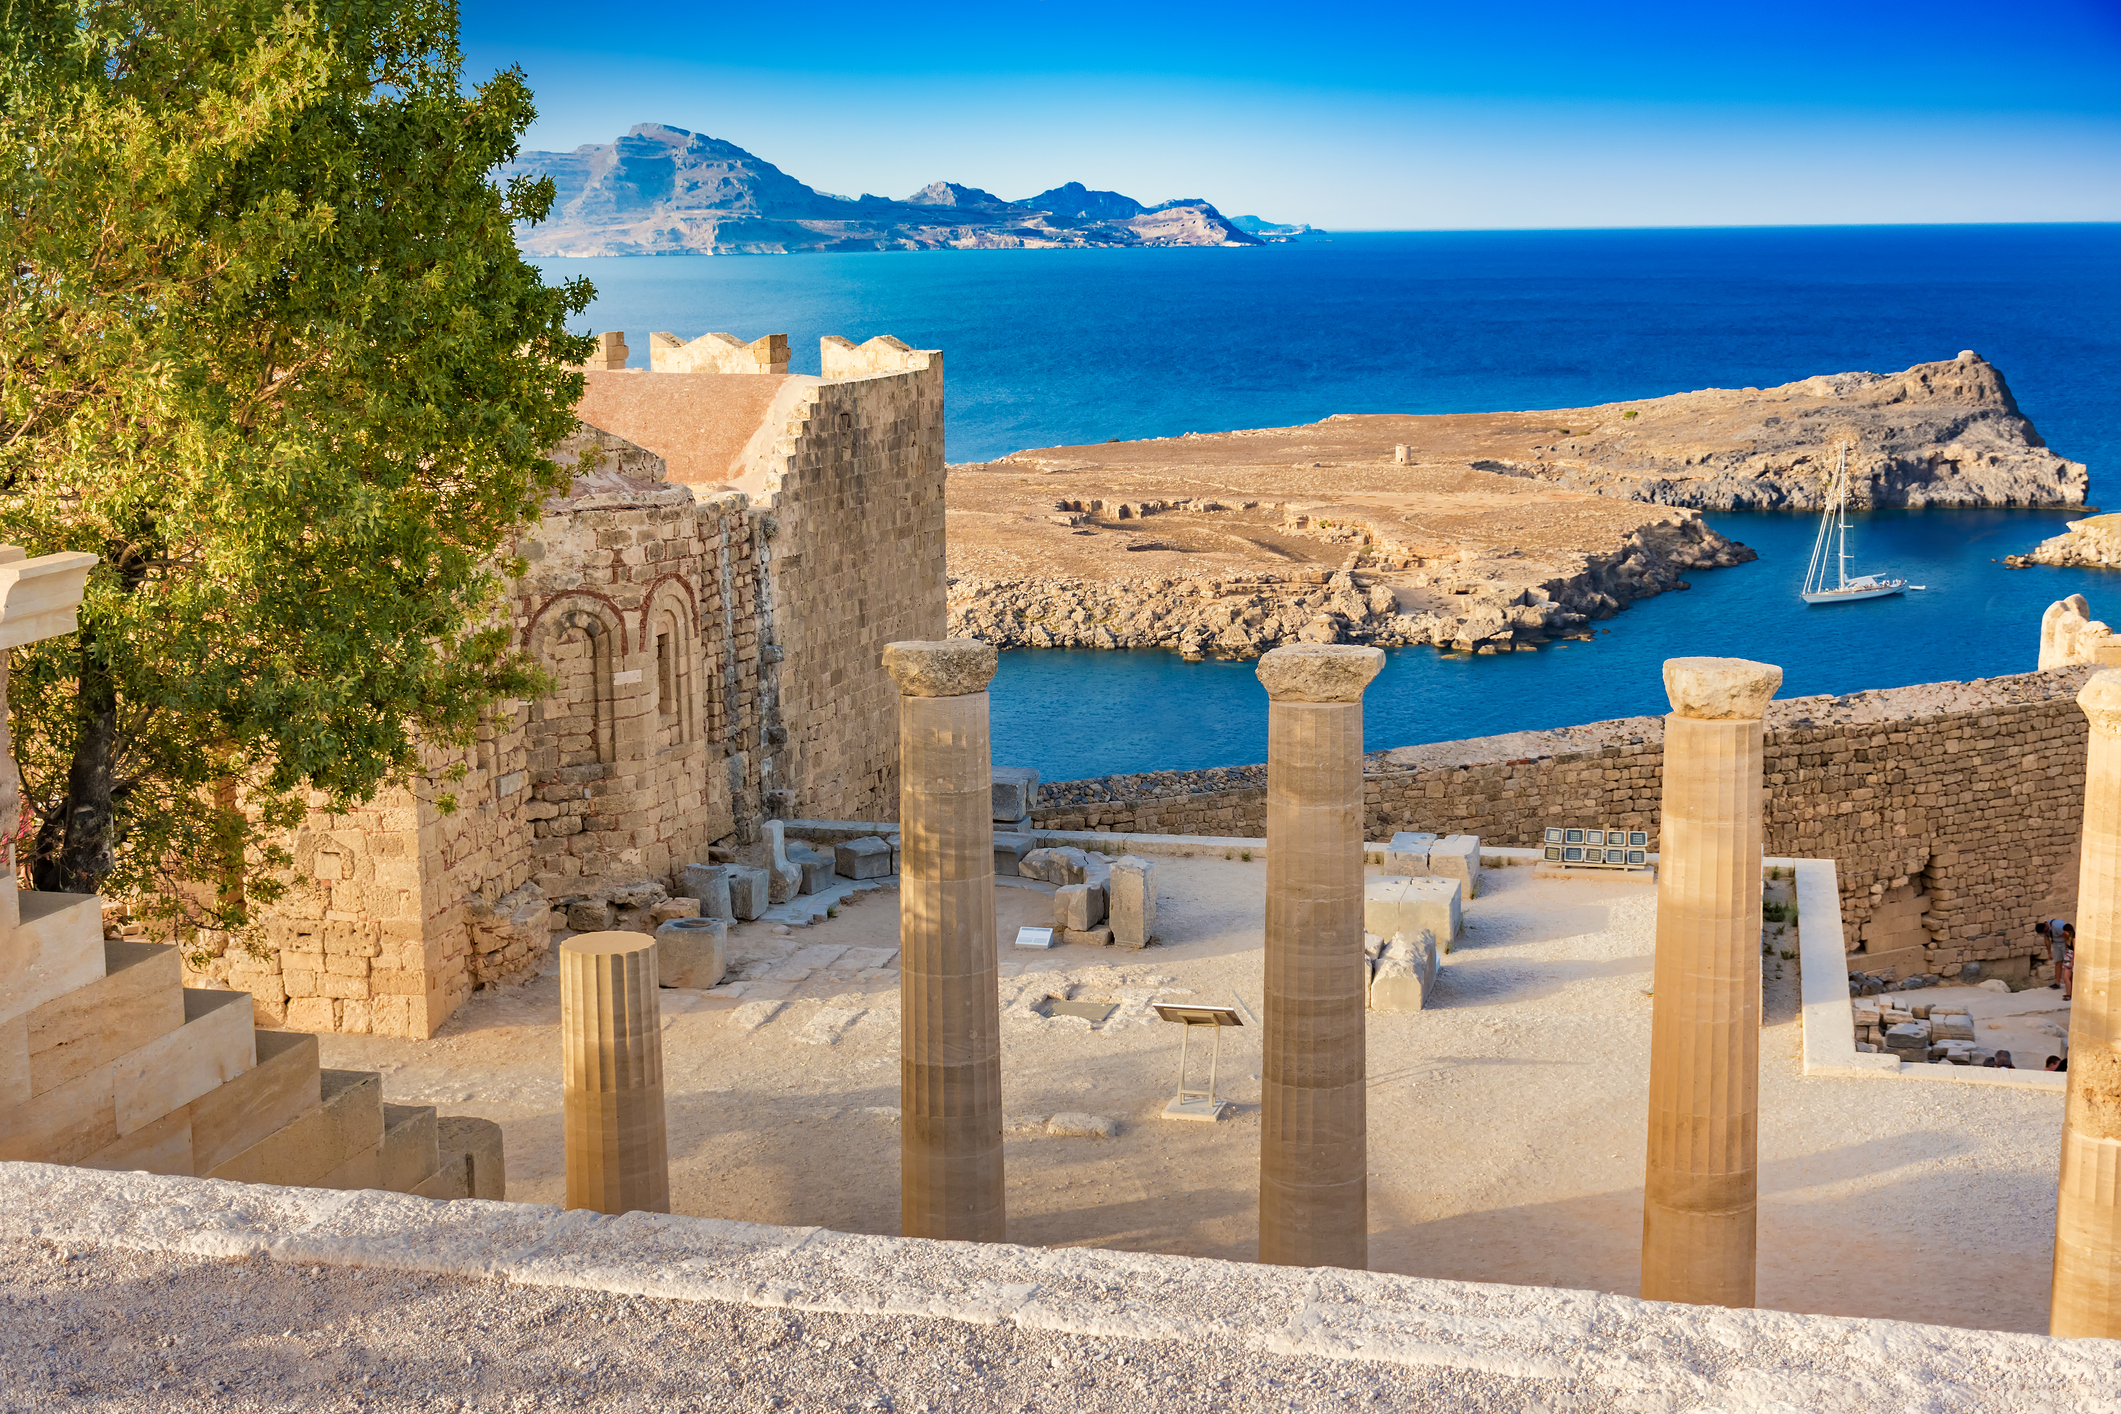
108,1061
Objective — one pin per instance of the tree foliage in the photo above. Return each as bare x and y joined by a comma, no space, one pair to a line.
268,349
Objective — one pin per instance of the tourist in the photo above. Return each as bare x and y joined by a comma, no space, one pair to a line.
2069,960
2054,930
2003,1061
2057,1063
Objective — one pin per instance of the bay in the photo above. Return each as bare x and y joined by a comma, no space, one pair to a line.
1054,347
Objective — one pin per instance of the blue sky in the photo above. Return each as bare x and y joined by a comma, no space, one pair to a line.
1362,116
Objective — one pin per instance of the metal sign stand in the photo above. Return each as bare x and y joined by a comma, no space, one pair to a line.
1199,1105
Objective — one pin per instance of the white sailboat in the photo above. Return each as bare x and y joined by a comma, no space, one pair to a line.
1834,533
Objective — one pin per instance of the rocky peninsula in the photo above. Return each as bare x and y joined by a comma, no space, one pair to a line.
2092,543
1472,532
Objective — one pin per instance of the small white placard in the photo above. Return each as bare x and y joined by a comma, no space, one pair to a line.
1034,937
621,679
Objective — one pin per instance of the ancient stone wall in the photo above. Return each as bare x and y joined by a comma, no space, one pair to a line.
1952,809
854,519
716,658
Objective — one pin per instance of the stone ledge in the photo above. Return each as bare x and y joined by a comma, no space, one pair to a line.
1618,1351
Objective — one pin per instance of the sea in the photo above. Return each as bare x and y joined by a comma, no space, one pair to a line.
1047,348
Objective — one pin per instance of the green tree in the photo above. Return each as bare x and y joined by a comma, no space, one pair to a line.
268,349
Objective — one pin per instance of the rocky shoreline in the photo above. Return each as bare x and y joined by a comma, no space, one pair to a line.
2093,543
1478,607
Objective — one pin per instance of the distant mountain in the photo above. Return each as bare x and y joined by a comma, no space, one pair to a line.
664,191
1255,226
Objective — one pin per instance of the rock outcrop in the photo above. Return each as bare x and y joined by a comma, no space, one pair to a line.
1469,608
665,191
1936,434
2093,543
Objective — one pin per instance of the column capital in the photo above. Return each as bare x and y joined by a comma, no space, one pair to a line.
2101,701
949,667
1319,672
1720,689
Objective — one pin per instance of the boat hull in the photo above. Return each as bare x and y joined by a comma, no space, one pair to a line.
1844,596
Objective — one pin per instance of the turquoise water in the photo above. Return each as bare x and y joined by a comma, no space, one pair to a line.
1053,347
1078,712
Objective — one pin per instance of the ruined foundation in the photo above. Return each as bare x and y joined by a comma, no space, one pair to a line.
1701,1183
950,1057
2086,1300
1313,1149
611,1038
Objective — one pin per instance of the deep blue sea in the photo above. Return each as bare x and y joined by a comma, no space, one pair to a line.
1053,347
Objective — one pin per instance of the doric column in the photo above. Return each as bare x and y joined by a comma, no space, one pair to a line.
1701,1186
950,1052
2086,1299
1314,1191
611,1048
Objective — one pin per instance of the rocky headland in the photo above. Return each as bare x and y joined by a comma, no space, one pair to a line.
2092,543
664,191
1471,532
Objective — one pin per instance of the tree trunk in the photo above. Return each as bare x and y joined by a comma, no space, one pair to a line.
75,848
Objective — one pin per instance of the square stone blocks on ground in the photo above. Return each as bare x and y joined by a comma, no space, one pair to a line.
1408,856
1402,969
709,883
865,858
1131,896
689,952
1391,905
1015,792
1077,908
1009,851
748,891
1457,857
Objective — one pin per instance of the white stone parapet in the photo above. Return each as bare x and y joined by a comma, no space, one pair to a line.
1615,1351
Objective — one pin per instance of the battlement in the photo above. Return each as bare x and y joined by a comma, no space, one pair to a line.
611,352
843,358
717,353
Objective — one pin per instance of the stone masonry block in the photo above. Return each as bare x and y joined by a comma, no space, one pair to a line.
593,915
1131,894
748,894
1408,856
865,858
1015,792
1392,905
1078,907
1457,857
689,952
1009,851
709,883
1402,970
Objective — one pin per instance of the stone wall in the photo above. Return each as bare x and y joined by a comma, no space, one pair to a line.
1952,809
856,542
716,657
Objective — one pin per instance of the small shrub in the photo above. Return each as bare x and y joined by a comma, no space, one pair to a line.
1245,855
832,910
1628,415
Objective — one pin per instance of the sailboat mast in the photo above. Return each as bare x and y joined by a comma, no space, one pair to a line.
1842,515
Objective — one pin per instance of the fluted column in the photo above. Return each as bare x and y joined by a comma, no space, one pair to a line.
1701,1186
1314,1189
2086,1299
950,1052
611,1043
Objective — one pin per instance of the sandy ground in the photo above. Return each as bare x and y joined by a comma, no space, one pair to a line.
1506,1126
105,1329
